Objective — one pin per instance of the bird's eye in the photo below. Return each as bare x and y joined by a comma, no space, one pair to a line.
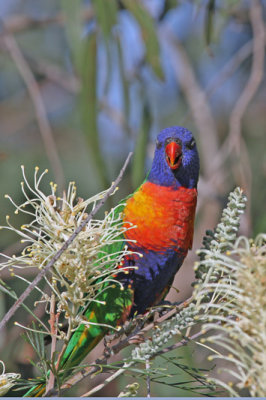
191,144
158,144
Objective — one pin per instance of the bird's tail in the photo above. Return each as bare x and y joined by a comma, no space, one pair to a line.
112,309
81,343
36,391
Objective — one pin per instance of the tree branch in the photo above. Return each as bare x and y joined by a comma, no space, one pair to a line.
194,95
18,23
40,111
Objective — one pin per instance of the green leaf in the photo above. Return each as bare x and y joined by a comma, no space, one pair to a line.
106,18
74,27
168,5
209,21
89,105
149,35
106,15
124,81
84,55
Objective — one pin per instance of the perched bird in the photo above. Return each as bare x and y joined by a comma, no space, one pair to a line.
162,210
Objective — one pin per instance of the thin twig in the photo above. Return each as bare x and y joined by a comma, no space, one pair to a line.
18,23
107,380
229,68
58,254
242,169
252,85
148,378
117,116
40,111
234,145
54,73
194,95
256,74
53,328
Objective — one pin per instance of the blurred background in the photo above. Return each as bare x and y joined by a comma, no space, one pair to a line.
82,83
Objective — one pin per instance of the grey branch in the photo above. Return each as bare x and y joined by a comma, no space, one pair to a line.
40,111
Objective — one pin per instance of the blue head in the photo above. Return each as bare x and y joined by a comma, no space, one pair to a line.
176,160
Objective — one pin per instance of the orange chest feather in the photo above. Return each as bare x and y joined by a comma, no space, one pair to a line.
164,217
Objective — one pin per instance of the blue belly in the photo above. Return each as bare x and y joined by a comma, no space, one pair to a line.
155,272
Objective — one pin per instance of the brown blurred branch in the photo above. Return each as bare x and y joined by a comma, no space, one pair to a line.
53,328
255,78
41,115
233,141
196,99
67,243
117,116
237,144
19,23
55,74
208,134
229,68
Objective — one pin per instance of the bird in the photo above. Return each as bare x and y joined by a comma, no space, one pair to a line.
161,212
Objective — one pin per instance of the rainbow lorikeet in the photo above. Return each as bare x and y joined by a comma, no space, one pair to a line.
162,211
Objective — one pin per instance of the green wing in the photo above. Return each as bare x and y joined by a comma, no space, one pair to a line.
112,307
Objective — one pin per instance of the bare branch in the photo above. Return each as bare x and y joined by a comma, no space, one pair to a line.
56,74
256,74
234,137
58,254
234,144
53,327
106,381
229,68
41,115
17,23
195,96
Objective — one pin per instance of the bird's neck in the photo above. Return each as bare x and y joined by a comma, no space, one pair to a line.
163,176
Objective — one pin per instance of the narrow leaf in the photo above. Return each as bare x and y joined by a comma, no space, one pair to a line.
106,15
89,105
149,35
209,21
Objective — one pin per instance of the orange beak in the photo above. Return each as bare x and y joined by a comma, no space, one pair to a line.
173,153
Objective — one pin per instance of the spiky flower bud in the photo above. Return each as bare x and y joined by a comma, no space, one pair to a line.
217,243
164,332
238,317
230,298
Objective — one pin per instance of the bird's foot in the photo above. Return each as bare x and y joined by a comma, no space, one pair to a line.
165,305
169,303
